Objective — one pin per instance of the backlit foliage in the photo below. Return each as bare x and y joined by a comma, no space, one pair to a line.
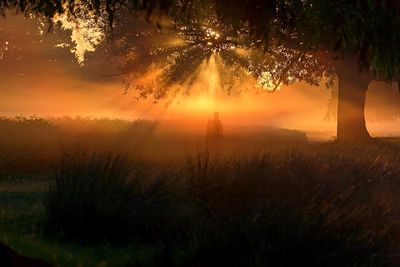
161,63
291,32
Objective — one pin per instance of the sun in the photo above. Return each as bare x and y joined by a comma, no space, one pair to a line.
171,59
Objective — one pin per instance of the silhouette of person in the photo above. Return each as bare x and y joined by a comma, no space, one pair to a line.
214,130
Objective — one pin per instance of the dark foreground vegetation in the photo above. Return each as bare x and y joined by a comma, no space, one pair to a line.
293,205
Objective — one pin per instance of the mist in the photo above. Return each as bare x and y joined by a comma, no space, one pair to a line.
50,82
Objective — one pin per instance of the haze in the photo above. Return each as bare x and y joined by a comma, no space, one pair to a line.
54,81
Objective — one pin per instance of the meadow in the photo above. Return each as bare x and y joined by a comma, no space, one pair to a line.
102,192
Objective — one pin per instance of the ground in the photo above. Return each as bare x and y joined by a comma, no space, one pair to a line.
330,199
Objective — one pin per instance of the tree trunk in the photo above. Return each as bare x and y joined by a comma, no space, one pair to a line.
353,86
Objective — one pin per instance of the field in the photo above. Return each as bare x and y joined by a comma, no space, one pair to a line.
83,192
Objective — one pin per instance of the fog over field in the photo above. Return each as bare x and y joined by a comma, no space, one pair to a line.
50,82
199,133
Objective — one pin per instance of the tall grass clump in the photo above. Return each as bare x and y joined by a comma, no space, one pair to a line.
105,197
336,207
293,209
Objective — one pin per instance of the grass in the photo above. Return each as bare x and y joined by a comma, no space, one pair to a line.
105,197
22,220
260,210
309,204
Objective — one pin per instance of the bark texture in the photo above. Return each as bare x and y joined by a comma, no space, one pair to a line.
353,86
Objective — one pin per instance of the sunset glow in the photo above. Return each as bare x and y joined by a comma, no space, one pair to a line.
66,89
199,133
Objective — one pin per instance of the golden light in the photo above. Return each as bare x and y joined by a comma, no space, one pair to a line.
211,33
86,33
86,37
202,103
241,51
176,42
265,81
204,91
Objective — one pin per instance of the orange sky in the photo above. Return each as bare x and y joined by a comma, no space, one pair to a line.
39,79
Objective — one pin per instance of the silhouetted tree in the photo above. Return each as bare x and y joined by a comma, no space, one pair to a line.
358,38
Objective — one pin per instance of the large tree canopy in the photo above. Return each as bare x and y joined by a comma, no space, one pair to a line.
368,28
181,49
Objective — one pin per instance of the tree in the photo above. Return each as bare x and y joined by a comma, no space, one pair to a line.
352,36
181,49
359,39
356,33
